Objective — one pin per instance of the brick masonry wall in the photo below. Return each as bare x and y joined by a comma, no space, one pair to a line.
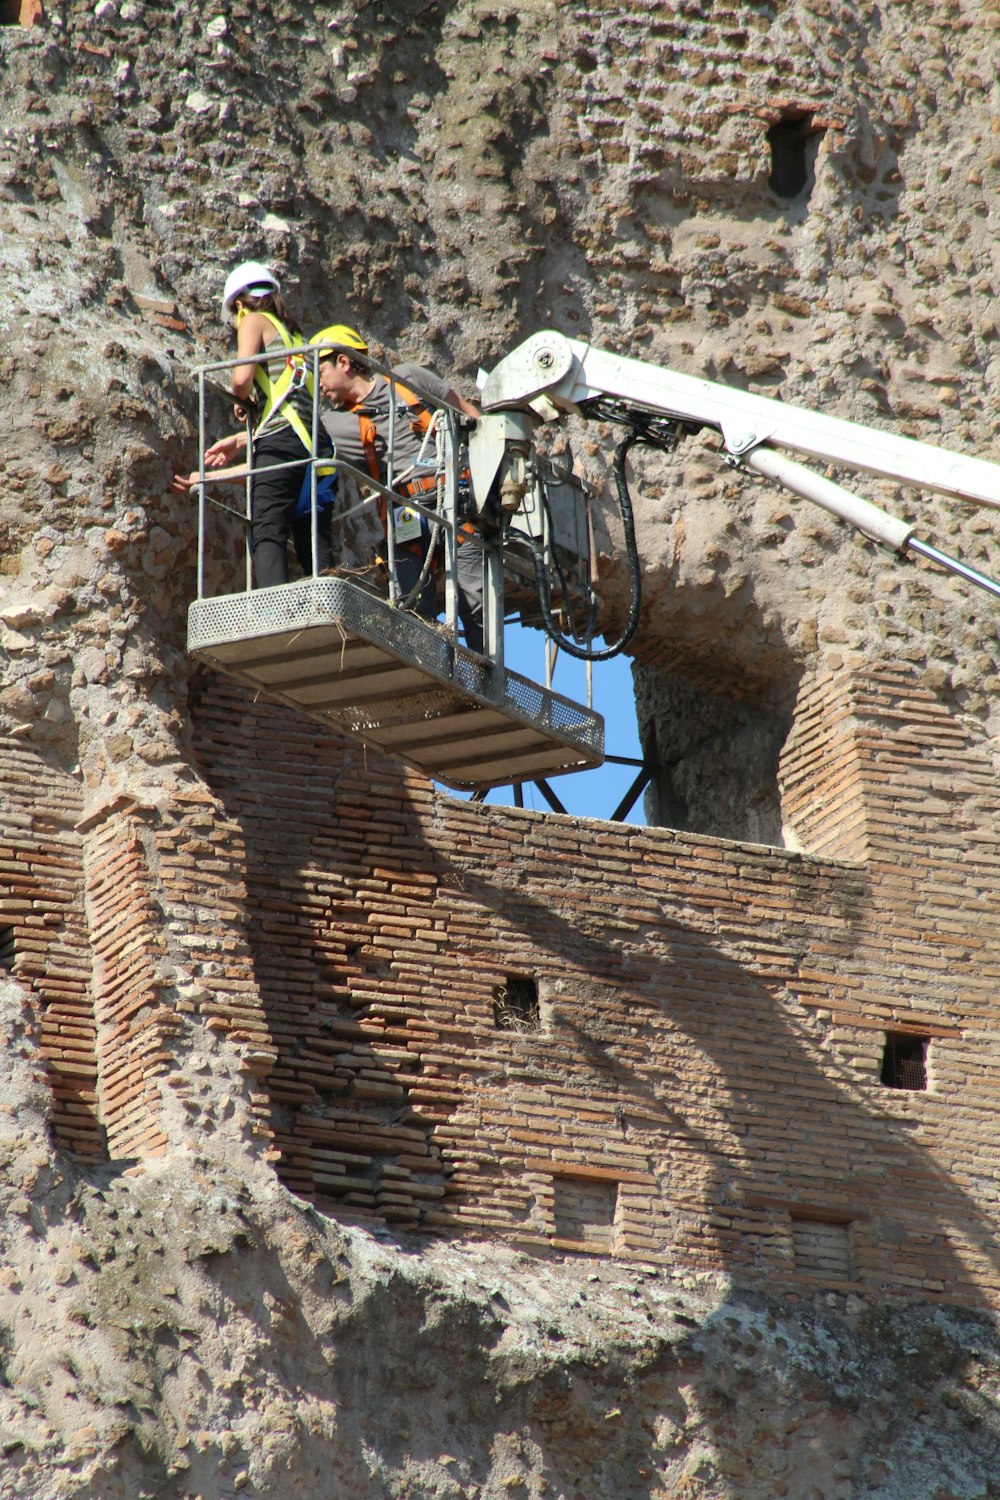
319,941
703,1083
46,945
700,1080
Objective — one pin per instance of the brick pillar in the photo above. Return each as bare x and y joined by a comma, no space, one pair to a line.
875,763
824,795
43,936
133,1026
930,785
182,1039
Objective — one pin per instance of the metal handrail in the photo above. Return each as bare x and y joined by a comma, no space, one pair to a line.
444,515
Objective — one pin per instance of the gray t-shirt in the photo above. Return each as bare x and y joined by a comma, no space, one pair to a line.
344,427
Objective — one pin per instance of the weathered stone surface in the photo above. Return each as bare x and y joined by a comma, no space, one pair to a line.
189,1328
451,177
454,177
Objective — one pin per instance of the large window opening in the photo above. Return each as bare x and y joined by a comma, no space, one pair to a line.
615,790
714,758
7,949
794,143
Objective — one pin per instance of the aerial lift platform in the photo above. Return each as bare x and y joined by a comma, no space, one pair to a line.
364,665
351,660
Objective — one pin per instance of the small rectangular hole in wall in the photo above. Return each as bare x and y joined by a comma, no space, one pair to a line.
904,1061
794,141
823,1250
515,1004
7,948
585,1212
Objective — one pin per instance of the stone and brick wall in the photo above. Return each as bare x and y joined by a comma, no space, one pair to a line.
701,1080
575,1035
229,939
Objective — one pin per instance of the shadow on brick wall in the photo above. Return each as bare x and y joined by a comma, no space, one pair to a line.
687,1051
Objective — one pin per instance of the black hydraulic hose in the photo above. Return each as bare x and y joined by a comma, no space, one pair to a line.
632,558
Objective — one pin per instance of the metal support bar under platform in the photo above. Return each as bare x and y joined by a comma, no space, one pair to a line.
381,675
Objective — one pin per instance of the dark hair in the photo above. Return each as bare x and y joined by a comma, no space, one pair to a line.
272,302
355,365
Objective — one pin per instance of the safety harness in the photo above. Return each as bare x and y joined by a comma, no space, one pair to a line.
278,393
408,404
421,418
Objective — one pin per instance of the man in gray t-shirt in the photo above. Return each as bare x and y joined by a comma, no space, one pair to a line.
359,427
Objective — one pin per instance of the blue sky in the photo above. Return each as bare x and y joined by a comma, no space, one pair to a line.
586,794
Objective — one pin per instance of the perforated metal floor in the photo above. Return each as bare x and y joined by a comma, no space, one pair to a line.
350,660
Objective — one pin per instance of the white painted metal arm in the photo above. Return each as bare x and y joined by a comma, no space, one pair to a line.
572,374
853,509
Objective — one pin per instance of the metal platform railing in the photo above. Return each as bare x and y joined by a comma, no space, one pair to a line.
369,667
446,469
383,676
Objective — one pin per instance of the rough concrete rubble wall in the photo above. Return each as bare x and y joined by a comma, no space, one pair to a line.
452,178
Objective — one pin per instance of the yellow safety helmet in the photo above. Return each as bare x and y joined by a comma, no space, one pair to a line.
339,337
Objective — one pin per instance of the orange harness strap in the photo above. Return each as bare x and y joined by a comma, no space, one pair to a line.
419,423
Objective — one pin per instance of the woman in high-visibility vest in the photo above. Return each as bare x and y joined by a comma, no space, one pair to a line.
277,391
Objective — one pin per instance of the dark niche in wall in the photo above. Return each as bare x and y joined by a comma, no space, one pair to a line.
904,1061
714,757
585,1212
794,143
515,1004
823,1249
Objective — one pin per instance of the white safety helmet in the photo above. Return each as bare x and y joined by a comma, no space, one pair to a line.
251,277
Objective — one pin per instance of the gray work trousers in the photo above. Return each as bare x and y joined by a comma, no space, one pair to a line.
469,578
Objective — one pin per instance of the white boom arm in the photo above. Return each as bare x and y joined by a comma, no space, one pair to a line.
576,377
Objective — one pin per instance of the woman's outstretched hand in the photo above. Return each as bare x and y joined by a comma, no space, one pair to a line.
221,456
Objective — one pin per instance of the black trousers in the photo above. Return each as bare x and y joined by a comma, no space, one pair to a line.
274,497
